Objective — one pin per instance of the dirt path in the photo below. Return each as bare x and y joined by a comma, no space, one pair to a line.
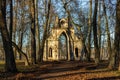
64,70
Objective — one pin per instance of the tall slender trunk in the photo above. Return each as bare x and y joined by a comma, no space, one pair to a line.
115,56
45,31
89,31
108,32
21,33
118,25
37,31
20,43
33,28
15,25
10,64
11,19
97,52
99,27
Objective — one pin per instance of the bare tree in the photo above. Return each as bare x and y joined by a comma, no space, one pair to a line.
89,31
22,27
11,19
107,30
115,56
10,64
45,33
15,24
96,48
33,28
99,26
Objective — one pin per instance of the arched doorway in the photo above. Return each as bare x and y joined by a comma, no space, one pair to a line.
63,48
76,52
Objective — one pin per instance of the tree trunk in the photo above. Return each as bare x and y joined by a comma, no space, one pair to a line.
89,32
14,26
20,43
10,64
11,20
99,27
37,32
21,31
96,48
45,32
115,56
33,40
108,32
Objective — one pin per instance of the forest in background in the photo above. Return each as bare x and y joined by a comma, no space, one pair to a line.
26,24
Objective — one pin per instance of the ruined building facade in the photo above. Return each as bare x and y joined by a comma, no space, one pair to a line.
62,43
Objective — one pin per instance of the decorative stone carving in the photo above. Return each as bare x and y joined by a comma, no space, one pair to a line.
64,23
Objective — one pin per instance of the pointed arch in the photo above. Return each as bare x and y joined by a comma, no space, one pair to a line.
65,34
63,46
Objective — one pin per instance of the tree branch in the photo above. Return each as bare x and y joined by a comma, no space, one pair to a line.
20,51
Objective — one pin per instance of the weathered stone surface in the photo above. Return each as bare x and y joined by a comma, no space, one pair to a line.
51,50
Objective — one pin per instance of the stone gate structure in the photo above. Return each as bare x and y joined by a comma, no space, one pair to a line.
70,50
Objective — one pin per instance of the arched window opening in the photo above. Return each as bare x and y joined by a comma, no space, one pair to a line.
50,52
76,52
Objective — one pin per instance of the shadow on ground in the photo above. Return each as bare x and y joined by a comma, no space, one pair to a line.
51,70
107,78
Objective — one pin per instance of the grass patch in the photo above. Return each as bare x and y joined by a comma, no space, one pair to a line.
118,73
19,63
27,69
2,65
